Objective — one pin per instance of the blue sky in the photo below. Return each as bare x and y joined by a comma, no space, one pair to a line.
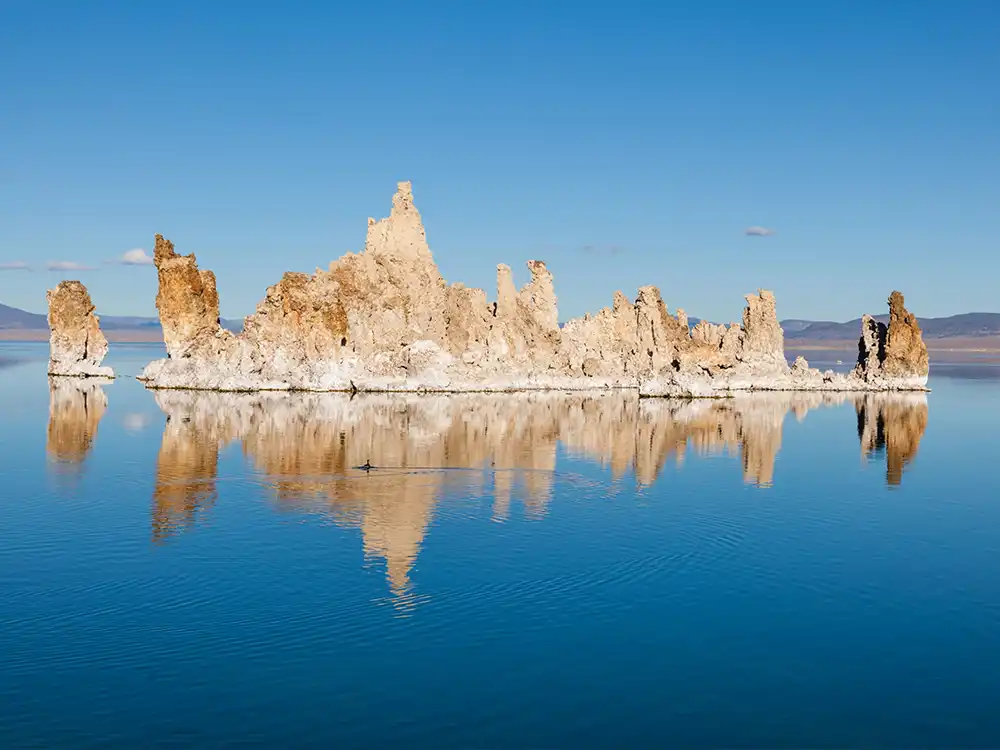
623,143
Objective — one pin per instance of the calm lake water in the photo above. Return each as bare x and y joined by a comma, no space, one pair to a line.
205,570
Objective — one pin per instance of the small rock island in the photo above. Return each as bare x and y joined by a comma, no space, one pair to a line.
385,320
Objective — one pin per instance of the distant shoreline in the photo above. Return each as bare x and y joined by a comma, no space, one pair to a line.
119,336
973,348
971,344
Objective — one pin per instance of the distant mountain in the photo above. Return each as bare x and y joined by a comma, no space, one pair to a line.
11,318
793,326
967,325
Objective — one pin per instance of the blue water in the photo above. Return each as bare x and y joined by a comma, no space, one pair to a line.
200,570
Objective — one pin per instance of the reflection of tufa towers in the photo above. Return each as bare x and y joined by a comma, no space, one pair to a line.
187,468
76,406
893,423
309,447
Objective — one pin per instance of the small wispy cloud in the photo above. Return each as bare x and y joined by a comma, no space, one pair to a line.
15,265
67,265
602,249
758,232
136,257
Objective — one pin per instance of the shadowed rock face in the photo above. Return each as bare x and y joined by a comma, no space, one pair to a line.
76,344
384,319
893,353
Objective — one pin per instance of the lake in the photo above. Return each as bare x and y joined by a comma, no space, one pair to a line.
185,569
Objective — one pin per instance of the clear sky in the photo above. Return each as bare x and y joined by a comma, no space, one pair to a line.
623,143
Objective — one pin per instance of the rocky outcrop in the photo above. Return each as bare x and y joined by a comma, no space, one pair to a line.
385,320
891,357
894,353
77,346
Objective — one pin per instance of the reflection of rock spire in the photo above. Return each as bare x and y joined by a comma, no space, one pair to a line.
750,424
76,406
187,466
893,423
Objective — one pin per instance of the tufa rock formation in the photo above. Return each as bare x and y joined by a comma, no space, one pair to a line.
895,352
385,320
76,344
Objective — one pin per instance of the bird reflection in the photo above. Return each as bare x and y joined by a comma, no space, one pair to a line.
76,406
380,463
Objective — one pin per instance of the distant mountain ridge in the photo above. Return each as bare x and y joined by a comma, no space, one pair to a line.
12,318
966,325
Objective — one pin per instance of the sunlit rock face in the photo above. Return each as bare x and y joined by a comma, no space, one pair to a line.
76,407
892,424
77,346
893,354
310,451
385,320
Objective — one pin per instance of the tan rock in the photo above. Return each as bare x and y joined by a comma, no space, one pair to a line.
187,300
895,353
763,339
77,346
905,351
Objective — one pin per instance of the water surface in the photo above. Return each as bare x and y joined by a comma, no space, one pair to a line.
203,570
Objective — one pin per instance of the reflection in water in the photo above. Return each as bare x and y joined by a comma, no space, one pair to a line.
310,447
187,466
893,424
76,406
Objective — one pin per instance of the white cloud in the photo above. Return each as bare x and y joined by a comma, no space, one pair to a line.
67,265
758,232
137,257
15,265
135,422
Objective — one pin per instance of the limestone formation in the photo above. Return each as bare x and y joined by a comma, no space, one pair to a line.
385,320
77,346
